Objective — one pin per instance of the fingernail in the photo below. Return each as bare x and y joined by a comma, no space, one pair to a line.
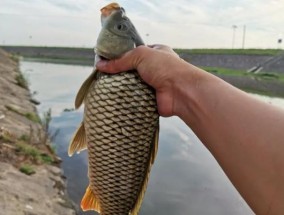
101,63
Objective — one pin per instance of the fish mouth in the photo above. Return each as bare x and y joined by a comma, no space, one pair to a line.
102,55
105,55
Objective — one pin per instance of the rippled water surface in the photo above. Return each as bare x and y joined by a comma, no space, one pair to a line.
185,178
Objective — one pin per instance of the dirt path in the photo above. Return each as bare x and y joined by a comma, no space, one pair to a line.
31,182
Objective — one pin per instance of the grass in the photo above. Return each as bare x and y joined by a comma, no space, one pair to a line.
225,71
32,117
270,76
270,52
22,81
24,137
29,115
46,159
27,169
15,57
60,60
235,72
6,137
28,150
33,153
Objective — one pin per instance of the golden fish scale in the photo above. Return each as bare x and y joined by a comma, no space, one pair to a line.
120,120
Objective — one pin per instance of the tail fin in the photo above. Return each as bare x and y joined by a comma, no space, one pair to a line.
90,201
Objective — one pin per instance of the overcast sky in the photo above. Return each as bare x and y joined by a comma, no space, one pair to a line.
180,23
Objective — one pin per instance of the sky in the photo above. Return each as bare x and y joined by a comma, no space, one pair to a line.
179,23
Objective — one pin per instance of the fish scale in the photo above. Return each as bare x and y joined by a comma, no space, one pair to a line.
120,128
116,143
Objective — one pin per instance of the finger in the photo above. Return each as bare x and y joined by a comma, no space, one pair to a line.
130,60
158,46
162,48
116,65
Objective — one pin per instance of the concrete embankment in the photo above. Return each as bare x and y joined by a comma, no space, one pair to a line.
86,56
31,181
270,85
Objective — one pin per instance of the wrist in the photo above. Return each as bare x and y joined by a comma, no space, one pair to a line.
188,92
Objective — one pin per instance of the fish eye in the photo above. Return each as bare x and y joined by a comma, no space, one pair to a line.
122,27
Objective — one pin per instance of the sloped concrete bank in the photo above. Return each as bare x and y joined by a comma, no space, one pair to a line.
31,181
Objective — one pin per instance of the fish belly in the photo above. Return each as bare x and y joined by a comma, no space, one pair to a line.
120,120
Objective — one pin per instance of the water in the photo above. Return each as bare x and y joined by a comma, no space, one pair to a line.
185,178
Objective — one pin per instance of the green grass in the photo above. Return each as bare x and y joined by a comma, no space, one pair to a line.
33,153
24,137
29,115
22,81
33,117
225,71
46,159
15,57
28,150
230,51
270,76
235,72
61,60
27,169
6,138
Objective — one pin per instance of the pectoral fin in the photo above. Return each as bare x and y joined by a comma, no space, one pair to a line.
84,89
136,208
78,142
90,202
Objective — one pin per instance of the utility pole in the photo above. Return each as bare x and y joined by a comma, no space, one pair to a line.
244,37
279,41
234,34
147,40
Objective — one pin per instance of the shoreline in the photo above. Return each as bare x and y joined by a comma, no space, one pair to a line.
31,180
231,65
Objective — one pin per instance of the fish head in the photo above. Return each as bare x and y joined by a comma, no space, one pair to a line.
118,35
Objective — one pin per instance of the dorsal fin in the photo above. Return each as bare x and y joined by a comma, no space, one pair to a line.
84,89
136,208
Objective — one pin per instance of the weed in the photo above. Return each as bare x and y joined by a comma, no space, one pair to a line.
224,71
22,81
28,150
33,153
15,57
33,117
270,52
268,76
24,137
46,127
46,159
29,115
27,169
11,108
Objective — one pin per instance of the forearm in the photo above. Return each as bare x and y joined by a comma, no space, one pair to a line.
245,136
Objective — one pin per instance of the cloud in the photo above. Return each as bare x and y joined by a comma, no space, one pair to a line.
182,23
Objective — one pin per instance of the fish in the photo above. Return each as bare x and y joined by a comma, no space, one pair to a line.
120,127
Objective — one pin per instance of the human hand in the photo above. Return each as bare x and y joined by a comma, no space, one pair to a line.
159,66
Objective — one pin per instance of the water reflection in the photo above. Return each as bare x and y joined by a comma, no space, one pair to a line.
185,178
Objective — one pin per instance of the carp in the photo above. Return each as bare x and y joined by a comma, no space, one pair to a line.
120,127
